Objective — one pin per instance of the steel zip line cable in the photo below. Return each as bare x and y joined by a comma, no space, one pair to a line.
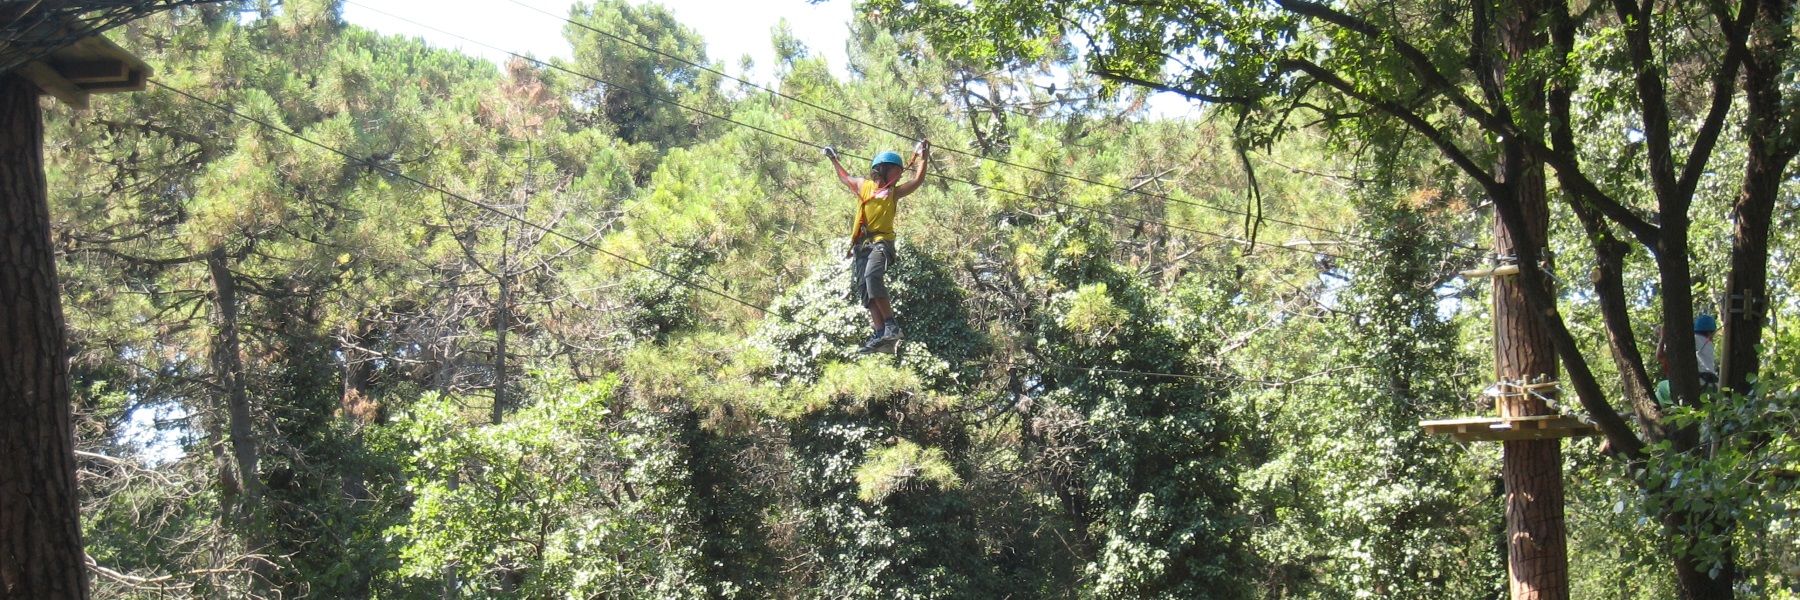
952,150
811,144
1458,251
552,231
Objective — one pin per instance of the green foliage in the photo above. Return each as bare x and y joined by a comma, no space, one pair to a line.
630,102
1357,497
903,465
1741,489
556,501
1085,406
854,387
1160,501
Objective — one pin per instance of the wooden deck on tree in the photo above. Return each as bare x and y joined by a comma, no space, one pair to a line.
1492,429
92,65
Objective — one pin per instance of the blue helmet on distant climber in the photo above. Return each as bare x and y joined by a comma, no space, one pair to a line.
887,158
1706,324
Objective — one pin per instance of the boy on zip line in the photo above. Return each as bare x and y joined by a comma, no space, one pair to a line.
872,234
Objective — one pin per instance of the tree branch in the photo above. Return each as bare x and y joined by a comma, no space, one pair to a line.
1534,282
1567,167
1653,101
1609,286
1737,50
1106,73
1432,134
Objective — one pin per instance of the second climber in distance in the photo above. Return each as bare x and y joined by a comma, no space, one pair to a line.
872,233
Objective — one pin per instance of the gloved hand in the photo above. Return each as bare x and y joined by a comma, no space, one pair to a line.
831,153
921,147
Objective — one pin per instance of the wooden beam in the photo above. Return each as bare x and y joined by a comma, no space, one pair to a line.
94,71
132,83
52,83
99,49
1500,271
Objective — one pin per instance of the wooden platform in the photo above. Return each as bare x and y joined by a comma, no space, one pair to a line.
93,65
1491,429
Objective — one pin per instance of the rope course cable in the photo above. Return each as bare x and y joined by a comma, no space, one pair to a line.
896,133
812,144
684,281
1456,251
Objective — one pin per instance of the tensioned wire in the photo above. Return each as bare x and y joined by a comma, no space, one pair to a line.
649,95
684,281
854,119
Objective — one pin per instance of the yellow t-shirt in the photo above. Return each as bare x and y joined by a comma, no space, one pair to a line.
875,213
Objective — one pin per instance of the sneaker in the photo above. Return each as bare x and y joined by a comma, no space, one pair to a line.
891,333
870,345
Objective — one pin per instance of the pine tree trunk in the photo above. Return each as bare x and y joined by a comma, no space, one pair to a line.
502,325
41,555
1537,556
502,322
1532,469
228,365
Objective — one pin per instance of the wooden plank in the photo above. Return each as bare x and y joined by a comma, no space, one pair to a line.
1551,420
1500,271
1540,427
99,48
93,71
53,84
91,65
133,83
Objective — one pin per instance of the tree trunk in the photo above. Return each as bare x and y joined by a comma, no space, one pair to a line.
1693,577
502,325
228,364
502,321
355,405
1537,558
40,527
1771,149
1532,469
1745,307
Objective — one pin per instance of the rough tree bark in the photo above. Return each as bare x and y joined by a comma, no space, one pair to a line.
41,556
1771,149
1537,554
1523,353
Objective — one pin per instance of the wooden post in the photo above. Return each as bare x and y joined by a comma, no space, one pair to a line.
40,528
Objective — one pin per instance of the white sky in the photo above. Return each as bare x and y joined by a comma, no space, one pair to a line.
732,29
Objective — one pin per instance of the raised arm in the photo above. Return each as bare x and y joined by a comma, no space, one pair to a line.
921,156
843,176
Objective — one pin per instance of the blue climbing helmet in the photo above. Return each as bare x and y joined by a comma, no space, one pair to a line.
1706,324
887,158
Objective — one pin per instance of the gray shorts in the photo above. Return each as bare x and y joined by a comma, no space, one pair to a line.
869,271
